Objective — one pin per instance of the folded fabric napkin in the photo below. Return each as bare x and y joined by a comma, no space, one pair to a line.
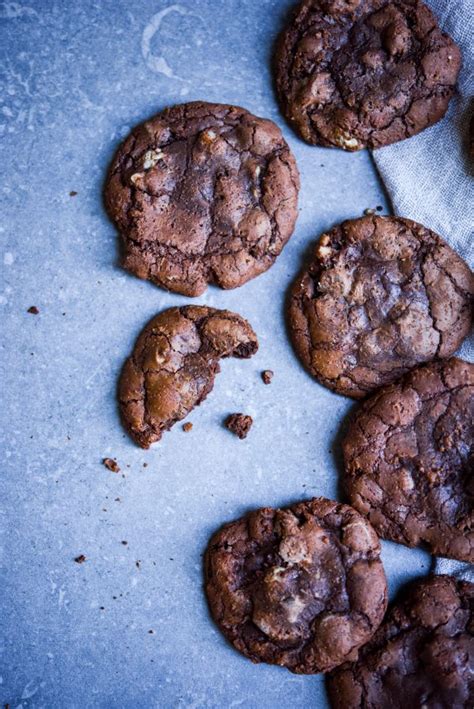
429,178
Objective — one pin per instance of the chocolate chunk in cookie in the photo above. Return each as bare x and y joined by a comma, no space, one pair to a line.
381,295
421,656
409,459
203,193
301,587
173,365
364,73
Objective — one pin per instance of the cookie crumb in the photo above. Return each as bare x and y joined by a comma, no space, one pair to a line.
80,559
187,427
111,464
137,564
72,193
124,543
145,465
240,424
379,208
267,376
369,212
33,310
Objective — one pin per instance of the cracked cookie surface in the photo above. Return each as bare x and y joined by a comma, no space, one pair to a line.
421,656
380,296
301,587
203,193
173,365
409,459
364,73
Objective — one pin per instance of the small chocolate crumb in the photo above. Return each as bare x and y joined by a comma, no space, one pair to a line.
33,310
379,208
369,212
80,559
137,564
152,632
240,424
72,193
267,376
145,465
111,464
187,426
102,608
125,543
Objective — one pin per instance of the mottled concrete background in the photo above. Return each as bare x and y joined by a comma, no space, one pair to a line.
129,627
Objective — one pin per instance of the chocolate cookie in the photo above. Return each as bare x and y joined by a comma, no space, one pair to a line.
301,587
203,193
173,365
364,73
409,459
382,295
421,656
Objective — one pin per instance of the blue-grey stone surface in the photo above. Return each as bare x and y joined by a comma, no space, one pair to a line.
130,627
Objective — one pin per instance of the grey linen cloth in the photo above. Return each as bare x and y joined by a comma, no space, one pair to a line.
430,179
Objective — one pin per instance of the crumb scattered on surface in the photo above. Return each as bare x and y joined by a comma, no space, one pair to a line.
111,464
240,424
137,564
124,543
379,208
187,427
72,193
369,212
267,376
80,559
33,310
145,465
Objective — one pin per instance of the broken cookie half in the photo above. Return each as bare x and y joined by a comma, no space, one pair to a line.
172,367
301,587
